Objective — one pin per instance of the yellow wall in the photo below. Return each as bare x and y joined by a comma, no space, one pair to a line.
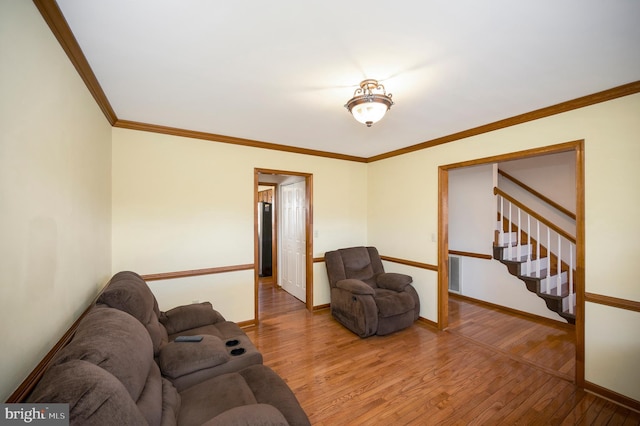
403,201
55,180
182,204
613,349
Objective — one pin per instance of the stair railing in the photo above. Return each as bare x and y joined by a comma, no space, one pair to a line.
511,212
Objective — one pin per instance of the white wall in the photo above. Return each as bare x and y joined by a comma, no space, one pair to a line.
552,175
472,220
182,204
551,214
472,209
403,212
490,281
55,162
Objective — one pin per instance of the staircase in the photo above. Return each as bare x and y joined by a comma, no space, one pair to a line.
538,253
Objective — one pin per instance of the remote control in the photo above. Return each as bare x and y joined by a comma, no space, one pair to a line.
188,338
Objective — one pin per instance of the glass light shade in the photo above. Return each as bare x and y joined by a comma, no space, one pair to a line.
370,102
369,112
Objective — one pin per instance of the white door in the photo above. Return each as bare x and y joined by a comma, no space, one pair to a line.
293,241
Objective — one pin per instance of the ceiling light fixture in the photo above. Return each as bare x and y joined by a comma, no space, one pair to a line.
366,106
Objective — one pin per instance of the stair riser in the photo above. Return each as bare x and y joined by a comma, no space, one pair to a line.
532,269
507,238
514,253
553,283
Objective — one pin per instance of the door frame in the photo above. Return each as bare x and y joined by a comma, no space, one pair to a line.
308,180
443,236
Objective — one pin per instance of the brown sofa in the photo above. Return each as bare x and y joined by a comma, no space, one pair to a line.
366,299
110,372
225,347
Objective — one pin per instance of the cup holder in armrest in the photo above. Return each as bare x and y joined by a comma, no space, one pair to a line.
233,342
237,351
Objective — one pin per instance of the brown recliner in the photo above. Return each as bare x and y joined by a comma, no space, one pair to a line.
366,299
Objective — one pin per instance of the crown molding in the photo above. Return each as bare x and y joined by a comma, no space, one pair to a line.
134,125
57,23
584,101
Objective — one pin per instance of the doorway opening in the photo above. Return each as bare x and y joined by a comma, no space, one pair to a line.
291,247
577,147
267,230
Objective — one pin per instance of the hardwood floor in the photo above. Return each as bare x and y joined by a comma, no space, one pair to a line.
545,344
489,367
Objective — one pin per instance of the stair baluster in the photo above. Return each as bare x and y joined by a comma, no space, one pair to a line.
529,251
558,268
539,253
572,296
510,234
548,281
500,233
519,246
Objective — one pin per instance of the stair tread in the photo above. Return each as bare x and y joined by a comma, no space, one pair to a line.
521,259
564,292
543,275
534,274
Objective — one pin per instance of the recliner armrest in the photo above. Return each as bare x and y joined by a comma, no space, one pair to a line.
179,358
248,415
186,317
355,286
393,281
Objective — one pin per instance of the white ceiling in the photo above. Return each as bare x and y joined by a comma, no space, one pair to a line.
281,71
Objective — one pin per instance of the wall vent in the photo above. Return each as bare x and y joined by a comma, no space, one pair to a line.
455,274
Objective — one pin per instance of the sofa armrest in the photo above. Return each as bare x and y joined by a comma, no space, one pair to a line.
355,286
179,358
393,281
249,415
186,317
